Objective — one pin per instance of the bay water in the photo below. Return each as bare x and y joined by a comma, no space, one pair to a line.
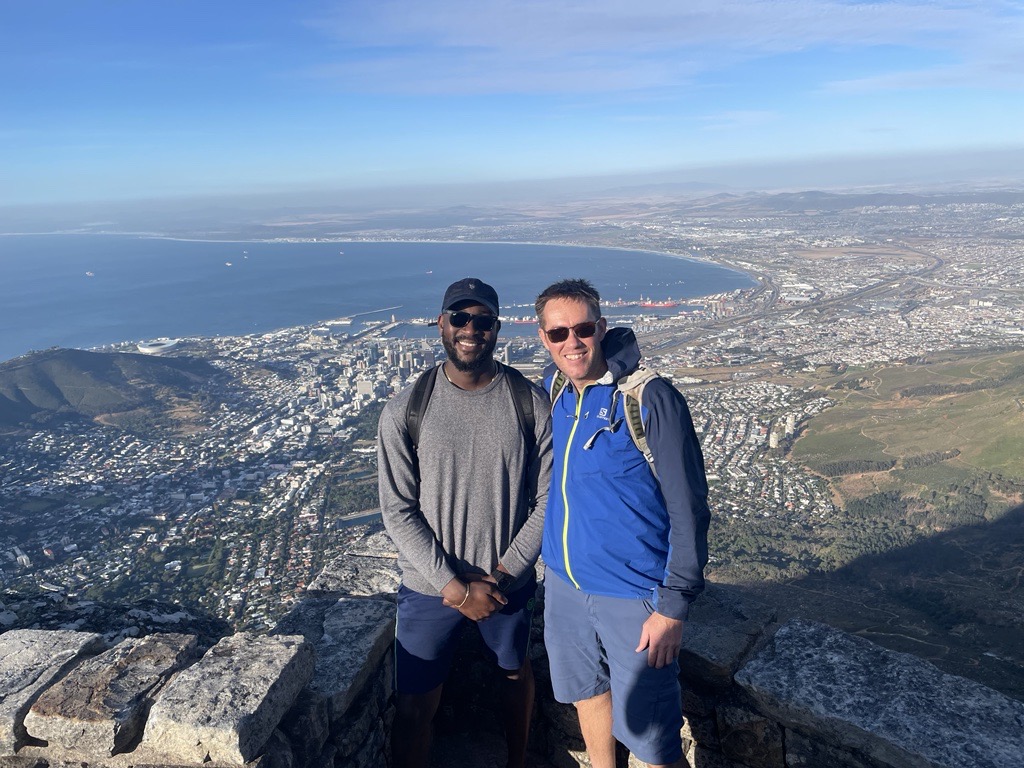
90,290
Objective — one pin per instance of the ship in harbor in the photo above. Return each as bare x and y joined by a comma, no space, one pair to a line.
642,302
652,304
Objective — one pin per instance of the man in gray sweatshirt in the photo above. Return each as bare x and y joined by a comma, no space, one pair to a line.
464,506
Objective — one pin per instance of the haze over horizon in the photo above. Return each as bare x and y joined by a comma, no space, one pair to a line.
452,99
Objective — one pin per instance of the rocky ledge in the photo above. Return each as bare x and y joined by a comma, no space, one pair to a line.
317,692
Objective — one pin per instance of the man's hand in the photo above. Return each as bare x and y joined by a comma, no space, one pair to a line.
483,598
662,637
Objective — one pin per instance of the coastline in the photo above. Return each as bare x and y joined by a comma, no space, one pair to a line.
86,330
442,241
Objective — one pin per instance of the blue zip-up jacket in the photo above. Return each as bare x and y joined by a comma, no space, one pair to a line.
612,527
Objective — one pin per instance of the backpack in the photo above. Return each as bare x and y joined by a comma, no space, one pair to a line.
521,396
630,390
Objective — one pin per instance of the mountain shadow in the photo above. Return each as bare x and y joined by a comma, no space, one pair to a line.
113,387
113,620
955,599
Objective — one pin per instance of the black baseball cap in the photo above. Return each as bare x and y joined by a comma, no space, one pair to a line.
470,289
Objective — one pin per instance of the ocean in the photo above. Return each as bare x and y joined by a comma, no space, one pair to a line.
86,291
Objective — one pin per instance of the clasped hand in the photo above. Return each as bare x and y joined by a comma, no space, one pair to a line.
484,597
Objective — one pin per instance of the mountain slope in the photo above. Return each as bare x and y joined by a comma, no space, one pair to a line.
73,383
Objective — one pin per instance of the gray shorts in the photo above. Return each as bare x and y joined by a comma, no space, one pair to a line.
591,643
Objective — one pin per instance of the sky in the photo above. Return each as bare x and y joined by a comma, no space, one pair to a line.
144,99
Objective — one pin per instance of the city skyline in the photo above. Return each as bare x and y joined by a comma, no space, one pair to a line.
110,101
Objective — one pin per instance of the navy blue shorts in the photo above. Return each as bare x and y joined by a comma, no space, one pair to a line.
427,631
591,643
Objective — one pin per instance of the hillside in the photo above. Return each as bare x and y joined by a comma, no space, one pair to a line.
923,553
127,390
942,440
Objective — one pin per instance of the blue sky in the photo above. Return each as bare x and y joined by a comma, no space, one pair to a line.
135,99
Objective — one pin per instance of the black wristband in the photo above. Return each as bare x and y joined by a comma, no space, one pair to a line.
504,580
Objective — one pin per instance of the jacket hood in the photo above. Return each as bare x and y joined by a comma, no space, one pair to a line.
621,353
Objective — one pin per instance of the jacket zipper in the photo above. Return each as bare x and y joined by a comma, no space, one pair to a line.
565,496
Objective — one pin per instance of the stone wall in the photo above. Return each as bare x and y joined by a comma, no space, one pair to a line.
316,692
276,700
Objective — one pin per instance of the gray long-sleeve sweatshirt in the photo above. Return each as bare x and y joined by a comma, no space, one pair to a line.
475,502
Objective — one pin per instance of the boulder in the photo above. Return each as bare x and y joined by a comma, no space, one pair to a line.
893,708
351,636
30,660
368,567
100,706
225,707
720,633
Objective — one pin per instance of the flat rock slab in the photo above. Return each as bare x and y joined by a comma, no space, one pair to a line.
892,707
374,541
368,567
100,706
719,635
225,707
22,762
359,576
30,660
351,636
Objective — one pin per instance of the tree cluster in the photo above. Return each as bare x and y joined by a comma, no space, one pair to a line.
935,390
855,466
927,459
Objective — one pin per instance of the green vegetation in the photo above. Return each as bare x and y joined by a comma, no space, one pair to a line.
826,441
19,519
928,459
346,498
962,414
40,505
96,502
366,423
923,550
902,467
74,383
854,466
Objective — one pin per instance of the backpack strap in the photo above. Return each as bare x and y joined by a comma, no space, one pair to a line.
558,382
523,399
421,392
632,388
630,391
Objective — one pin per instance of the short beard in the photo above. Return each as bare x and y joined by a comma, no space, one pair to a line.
478,364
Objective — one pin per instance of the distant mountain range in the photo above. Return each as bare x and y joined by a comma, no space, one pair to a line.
830,201
73,383
335,215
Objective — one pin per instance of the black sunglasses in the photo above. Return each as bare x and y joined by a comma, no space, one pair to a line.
582,331
482,323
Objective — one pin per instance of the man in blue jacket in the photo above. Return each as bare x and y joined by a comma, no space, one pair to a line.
625,541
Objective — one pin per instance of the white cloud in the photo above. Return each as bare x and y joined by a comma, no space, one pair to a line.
738,119
936,77
560,46
608,25
485,71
